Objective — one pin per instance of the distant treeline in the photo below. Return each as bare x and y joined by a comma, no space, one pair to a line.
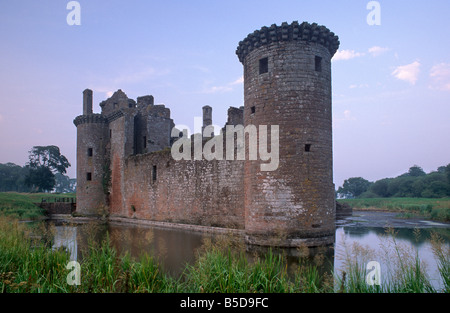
13,177
413,184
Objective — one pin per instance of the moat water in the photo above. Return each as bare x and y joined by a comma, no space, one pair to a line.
366,236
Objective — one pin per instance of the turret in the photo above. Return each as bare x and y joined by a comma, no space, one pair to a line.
287,82
92,137
87,102
207,116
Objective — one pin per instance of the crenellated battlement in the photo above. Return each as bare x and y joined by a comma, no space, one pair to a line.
288,32
91,118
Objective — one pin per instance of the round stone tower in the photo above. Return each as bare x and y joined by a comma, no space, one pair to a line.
92,134
287,82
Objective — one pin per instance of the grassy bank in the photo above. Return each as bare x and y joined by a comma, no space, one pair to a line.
21,205
28,264
435,209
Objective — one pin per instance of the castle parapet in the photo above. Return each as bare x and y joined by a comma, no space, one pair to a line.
90,119
288,32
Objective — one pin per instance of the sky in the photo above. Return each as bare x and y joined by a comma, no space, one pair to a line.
391,80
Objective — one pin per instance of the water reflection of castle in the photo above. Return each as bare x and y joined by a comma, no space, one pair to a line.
66,238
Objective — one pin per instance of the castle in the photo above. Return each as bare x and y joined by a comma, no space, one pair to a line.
125,164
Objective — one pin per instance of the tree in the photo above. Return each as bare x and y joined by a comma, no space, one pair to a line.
414,183
40,179
44,162
64,184
48,156
416,171
381,187
12,178
353,187
447,172
404,186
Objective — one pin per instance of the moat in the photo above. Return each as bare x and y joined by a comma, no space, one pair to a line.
365,235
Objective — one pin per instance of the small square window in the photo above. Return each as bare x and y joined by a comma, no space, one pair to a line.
90,152
308,147
154,173
263,65
253,109
318,63
88,176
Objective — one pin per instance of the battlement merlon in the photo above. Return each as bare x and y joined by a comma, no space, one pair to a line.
288,32
145,101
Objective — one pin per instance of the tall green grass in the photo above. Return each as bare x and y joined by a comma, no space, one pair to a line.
403,271
220,268
29,264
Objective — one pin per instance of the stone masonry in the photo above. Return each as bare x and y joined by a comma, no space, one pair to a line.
125,167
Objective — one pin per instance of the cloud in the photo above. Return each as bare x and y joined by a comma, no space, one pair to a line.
38,131
140,76
107,91
358,86
200,68
440,77
341,119
225,88
238,81
346,55
217,89
377,51
348,116
408,73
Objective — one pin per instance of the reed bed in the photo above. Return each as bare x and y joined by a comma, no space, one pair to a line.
28,264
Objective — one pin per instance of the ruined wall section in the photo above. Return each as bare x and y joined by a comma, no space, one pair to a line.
140,134
235,116
159,126
201,192
121,136
117,101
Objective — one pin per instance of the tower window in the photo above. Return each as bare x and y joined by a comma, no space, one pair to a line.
253,109
263,65
88,176
308,147
110,133
90,152
154,173
318,63
145,142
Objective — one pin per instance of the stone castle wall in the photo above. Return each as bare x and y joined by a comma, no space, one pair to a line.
208,193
